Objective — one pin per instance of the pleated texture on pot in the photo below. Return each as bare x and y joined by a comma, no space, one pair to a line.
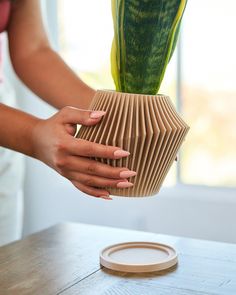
145,125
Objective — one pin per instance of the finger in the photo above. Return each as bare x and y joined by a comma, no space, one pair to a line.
98,193
97,181
93,167
71,129
71,115
81,147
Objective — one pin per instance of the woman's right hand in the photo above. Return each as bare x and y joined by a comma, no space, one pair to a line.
55,145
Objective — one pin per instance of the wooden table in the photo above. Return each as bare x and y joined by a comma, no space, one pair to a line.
64,259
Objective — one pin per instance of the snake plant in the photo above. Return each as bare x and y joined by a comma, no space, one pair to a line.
145,36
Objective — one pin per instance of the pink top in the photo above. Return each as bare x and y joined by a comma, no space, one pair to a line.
5,7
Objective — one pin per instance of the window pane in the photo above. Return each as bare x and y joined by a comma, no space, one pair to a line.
209,92
85,37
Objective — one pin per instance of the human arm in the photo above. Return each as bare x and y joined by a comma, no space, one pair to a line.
37,64
52,142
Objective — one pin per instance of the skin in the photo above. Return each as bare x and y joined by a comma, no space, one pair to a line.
52,140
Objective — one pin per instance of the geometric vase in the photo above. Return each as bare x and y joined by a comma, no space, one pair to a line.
147,126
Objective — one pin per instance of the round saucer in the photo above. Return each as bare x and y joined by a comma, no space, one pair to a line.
138,257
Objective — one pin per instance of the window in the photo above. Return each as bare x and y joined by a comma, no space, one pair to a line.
209,93
205,87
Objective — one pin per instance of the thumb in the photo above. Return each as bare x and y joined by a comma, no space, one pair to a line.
71,115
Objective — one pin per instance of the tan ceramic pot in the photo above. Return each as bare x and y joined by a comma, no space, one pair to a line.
147,126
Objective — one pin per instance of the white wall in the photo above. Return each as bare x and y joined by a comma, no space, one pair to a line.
50,199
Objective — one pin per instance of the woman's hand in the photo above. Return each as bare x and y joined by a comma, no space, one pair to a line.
55,145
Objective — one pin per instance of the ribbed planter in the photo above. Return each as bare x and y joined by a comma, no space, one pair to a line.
148,127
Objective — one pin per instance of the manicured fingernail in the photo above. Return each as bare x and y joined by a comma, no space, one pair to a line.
106,197
126,174
121,153
97,114
124,184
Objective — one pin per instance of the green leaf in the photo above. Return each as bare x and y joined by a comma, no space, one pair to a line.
145,36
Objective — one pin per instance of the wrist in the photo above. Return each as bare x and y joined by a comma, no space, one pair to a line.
16,130
33,137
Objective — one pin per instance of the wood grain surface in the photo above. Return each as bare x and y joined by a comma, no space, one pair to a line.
64,259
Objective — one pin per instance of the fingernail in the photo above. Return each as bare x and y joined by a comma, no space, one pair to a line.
126,174
124,184
106,197
121,153
97,114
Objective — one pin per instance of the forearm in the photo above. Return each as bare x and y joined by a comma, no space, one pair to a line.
16,129
46,74
37,65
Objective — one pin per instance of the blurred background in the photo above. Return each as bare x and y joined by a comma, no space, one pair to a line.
199,196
